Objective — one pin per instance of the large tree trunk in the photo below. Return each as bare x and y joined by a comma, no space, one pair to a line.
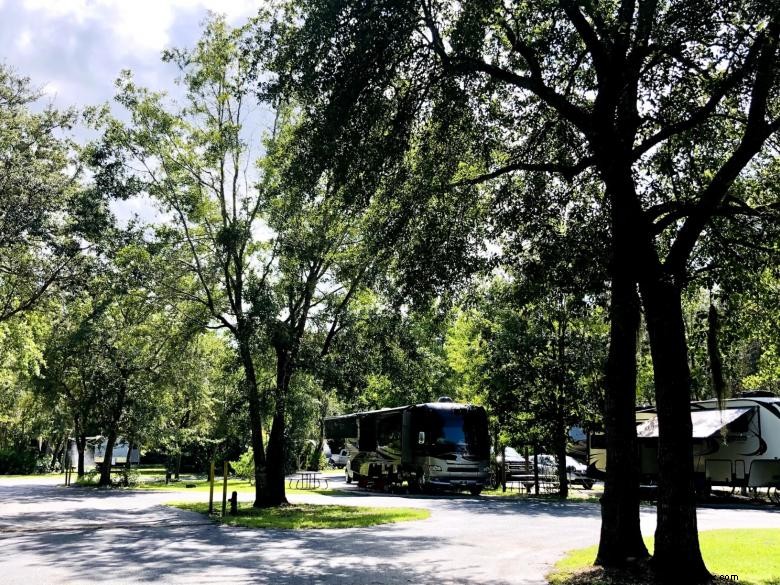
677,556
275,493
563,478
561,437
255,420
119,406
59,449
321,437
276,458
81,446
129,453
621,537
105,468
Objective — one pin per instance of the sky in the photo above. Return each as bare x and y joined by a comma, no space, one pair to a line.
75,49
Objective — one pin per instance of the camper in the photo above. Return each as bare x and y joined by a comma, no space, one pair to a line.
434,445
736,446
95,450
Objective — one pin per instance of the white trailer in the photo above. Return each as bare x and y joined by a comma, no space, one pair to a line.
737,446
95,450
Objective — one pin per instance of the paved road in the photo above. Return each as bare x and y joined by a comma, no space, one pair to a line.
51,534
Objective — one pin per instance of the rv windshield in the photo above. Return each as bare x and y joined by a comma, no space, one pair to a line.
459,430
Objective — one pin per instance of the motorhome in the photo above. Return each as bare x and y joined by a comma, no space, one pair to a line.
737,445
434,445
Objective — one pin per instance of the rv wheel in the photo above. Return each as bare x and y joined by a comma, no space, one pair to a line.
349,477
703,488
475,491
422,481
493,480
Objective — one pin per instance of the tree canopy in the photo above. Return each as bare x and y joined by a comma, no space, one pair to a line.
552,209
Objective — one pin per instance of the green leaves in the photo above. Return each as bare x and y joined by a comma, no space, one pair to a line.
41,209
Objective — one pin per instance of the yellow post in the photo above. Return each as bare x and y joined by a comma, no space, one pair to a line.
211,489
224,487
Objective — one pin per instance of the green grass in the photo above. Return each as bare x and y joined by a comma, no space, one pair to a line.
575,495
751,554
303,516
32,475
202,485
151,471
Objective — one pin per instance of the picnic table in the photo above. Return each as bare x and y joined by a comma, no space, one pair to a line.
547,483
307,480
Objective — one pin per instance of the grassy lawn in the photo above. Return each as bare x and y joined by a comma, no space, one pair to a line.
300,516
151,471
33,475
750,554
202,485
575,495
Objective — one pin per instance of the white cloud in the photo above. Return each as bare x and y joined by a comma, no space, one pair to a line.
142,25
80,46
24,40
75,49
135,25
60,8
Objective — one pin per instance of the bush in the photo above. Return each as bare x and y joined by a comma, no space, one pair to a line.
43,464
317,460
17,462
91,477
129,477
244,468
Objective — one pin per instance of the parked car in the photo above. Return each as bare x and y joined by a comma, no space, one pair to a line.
515,466
576,472
339,459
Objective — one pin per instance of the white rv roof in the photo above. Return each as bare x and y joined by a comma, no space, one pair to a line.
705,422
758,399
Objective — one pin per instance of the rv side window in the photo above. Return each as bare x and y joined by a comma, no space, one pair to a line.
367,434
741,425
598,441
388,432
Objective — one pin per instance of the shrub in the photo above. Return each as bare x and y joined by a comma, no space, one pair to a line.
244,468
90,478
17,462
317,460
129,476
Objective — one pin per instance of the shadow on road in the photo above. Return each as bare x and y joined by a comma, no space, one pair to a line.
230,555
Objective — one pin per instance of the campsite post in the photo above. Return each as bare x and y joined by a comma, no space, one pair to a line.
211,489
224,487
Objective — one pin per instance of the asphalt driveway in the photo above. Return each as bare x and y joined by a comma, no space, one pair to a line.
52,534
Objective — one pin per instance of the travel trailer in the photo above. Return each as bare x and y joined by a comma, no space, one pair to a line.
435,445
738,446
95,450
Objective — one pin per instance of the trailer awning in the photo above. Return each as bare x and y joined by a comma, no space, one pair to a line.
705,422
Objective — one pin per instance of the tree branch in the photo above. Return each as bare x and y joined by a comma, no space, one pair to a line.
757,130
